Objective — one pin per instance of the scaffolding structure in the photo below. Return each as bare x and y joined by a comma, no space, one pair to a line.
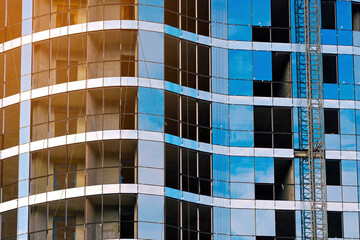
311,126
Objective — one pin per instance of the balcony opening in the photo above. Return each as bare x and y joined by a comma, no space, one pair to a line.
284,179
356,16
333,172
334,224
330,74
285,223
331,117
281,74
328,14
264,191
261,34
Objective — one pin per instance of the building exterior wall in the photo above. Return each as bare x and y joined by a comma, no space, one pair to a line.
173,119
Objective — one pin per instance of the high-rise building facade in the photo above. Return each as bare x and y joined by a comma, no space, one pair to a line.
171,119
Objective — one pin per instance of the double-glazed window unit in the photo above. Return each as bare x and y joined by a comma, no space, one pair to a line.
334,221
280,24
81,56
10,71
188,15
187,63
82,111
333,172
185,220
59,13
330,68
188,170
9,169
278,187
328,14
94,163
103,217
10,19
280,86
10,124
9,224
356,16
187,117
331,119
273,127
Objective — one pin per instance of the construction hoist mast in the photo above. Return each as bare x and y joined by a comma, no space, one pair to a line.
311,127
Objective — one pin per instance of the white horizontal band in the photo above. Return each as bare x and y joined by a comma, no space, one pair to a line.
161,191
161,28
162,84
161,137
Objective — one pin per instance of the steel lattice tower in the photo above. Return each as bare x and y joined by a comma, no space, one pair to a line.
311,127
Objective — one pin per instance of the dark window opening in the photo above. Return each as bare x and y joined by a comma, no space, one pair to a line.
264,238
330,74
172,114
192,173
280,13
192,220
264,191
334,224
188,114
284,179
331,117
333,172
356,16
280,35
281,74
261,34
328,14
262,88
187,63
273,127
192,16
285,223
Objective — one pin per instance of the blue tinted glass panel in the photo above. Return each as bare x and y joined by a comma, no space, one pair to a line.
221,166
345,37
242,169
349,175
221,189
221,220
264,170
265,222
343,18
262,66
241,139
151,101
346,92
242,191
151,47
242,222
240,64
240,87
239,12
346,67
347,121
239,33
151,14
261,12
331,91
241,117
328,36
220,113
348,142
